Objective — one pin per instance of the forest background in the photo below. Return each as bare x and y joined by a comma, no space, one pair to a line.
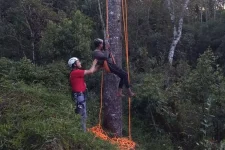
179,103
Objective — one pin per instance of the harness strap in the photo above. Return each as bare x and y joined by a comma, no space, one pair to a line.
77,94
106,67
105,63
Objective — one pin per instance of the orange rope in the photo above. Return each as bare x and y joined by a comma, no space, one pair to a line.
107,19
100,111
124,12
123,143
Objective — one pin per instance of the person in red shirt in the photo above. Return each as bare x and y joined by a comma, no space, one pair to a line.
78,87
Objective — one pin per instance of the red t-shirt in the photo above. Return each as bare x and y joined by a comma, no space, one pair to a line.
77,80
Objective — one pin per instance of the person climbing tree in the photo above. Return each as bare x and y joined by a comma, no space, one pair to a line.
105,60
78,87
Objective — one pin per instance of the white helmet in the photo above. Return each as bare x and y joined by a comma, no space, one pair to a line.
71,61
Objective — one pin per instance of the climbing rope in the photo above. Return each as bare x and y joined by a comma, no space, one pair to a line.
107,19
123,143
125,27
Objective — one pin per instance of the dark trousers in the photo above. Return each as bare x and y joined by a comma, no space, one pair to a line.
120,73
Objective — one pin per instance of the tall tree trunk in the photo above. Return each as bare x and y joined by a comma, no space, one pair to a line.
206,10
201,14
177,28
214,9
33,47
101,18
32,36
177,31
112,120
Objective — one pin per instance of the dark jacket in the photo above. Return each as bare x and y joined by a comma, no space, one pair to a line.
101,56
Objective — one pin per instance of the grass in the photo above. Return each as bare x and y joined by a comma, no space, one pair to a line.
34,117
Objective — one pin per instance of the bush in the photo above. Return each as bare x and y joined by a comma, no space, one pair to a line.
204,81
33,118
54,75
200,94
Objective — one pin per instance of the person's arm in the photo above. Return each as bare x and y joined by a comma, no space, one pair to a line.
101,55
92,69
96,68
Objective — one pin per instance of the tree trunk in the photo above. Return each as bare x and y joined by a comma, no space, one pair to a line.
201,14
177,29
206,11
112,120
176,38
101,18
32,36
33,47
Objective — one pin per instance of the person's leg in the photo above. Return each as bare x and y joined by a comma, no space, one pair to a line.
82,110
74,96
84,116
120,73
120,90
123,78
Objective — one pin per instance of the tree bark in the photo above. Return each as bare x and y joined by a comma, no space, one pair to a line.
177,27
112,120
101,18
176,38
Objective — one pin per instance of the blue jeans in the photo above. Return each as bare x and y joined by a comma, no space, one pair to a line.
81,108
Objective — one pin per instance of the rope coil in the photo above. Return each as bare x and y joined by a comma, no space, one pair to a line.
122,143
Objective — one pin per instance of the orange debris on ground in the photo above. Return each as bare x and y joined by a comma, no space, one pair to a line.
122,143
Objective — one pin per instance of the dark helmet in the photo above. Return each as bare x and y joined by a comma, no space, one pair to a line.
97,42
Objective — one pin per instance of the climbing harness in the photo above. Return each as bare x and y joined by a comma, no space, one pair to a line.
106,67
79,98
105,63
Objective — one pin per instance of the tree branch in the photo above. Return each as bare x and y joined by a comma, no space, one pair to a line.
101,18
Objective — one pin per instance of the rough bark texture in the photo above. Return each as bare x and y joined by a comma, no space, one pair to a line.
112,120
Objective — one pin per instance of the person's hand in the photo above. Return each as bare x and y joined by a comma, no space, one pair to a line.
95,62
107,46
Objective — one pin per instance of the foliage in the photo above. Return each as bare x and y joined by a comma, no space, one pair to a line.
200,94
38,36
69,38
52,75
195,92
21,27
33,117
205,81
